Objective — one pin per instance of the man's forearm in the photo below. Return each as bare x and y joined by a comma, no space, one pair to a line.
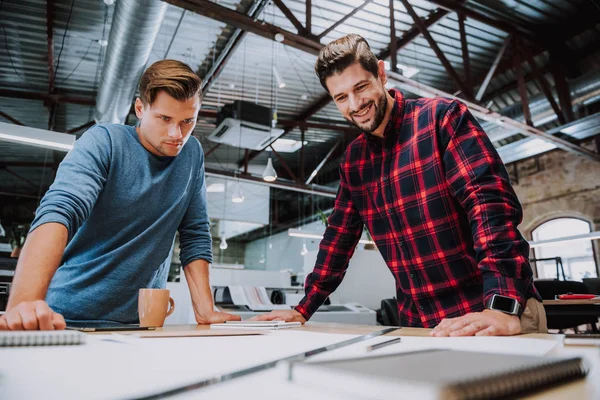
197,276
39,260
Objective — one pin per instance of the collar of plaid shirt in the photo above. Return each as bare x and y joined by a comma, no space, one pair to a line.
436,199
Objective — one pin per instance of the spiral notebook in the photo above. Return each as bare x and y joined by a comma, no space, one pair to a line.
41,338
437,374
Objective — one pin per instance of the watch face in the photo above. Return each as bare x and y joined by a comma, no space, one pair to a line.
501,303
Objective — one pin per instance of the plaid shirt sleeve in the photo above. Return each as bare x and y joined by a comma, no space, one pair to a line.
479,181
335,250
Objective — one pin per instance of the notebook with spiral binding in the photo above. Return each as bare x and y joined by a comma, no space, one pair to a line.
437,374
41,338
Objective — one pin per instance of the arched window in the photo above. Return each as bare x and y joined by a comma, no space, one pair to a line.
577,256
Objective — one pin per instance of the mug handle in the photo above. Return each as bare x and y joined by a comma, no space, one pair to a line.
171,307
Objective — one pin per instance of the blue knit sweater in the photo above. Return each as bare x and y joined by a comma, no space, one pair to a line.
122,206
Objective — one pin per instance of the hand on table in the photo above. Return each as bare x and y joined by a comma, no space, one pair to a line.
216,318
32,316
484,323
280,315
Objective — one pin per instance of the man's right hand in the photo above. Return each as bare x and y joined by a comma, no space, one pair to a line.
280,315
31,316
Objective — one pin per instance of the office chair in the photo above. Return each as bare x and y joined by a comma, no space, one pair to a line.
549,289
593,284
389,312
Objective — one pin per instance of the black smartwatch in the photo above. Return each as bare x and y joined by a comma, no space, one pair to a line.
507,305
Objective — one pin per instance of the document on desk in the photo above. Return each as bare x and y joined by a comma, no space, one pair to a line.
498,345
255,297
133,370
256,325
137,368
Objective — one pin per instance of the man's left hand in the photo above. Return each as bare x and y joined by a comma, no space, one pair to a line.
485,323
216,318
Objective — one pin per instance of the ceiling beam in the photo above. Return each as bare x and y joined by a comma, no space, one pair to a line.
53,106
50,43
343,19
393,46
223,14
211,150
521,82
556,60
440,54
493,68
234,41
491,116
23,195
545,87
87,125
19,177
323,162
290,16
278,184
308,22
11,119
28,164
562,88
49,98
285,165
408,36
461,8
468,79
313,109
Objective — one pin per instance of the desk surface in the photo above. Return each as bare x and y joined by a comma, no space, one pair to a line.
594,301
138,367
584,389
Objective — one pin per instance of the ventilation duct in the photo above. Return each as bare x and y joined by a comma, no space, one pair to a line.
134,29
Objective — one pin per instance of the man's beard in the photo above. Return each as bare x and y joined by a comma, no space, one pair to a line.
378,117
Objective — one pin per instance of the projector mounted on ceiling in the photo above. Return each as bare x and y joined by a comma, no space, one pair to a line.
246,125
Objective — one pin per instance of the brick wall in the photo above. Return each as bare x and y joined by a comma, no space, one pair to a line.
558,184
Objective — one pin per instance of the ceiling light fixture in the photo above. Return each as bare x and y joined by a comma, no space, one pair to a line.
223,244
298,233
280,82
269,174
238,196
304,250
36,137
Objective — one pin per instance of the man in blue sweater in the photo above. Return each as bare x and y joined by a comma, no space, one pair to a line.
106,226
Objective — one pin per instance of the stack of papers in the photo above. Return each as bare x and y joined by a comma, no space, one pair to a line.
256,325
255,297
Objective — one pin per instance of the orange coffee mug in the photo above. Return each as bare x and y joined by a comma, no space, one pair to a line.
154,306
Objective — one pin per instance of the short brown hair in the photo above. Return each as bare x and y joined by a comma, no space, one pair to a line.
343,52
171,76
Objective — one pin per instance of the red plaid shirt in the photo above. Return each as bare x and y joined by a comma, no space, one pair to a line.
437,201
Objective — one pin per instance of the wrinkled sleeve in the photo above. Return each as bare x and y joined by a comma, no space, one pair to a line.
335,250
479,181
79,180
194,230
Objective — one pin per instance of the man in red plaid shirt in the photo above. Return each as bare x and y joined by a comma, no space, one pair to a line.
430,187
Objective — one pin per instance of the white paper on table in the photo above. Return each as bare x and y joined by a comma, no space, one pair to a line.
142,367
237,295
502,345
113,370
270,384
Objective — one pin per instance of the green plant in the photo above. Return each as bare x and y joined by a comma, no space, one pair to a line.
323,217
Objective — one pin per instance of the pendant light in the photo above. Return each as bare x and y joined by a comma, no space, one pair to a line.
269,174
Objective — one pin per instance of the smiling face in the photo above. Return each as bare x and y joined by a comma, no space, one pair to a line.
361,97
166,124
